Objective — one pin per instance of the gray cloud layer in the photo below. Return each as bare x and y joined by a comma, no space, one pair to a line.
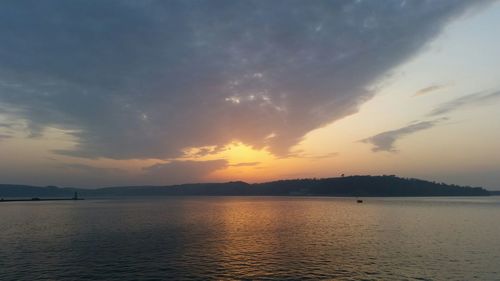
141,79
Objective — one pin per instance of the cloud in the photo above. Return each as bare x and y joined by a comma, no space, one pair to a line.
429,89
148,79
385,141
475,99
301,155
87,169
245,164
11,126
183,171
6,125
4,137
324,156
204,151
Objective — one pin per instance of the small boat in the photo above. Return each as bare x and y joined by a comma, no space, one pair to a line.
359,201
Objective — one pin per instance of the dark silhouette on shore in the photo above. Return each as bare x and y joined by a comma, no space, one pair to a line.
355,186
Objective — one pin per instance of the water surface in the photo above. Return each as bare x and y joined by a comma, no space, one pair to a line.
264,238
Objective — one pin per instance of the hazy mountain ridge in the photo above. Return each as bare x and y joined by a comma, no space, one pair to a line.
342,186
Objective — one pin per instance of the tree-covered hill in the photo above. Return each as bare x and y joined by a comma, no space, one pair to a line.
343,186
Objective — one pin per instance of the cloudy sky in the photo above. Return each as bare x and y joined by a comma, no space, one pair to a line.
100,93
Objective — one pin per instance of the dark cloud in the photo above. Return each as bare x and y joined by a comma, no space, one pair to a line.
429,89
147,79
475,99
385,141
183,171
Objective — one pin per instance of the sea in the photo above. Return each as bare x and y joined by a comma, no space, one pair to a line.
251,238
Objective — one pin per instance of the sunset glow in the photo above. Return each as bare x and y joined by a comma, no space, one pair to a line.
314,94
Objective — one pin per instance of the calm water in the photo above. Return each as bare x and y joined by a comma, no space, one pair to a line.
265,238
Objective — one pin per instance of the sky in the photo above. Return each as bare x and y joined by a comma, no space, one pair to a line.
106,93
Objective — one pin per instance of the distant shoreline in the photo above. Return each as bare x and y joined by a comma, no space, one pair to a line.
39,199
131,197
349,186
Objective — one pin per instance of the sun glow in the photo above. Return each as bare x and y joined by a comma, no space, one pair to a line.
237,153
244,162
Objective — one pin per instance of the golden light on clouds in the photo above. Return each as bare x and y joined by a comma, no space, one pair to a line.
244,162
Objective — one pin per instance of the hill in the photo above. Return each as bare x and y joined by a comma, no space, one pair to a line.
344,186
